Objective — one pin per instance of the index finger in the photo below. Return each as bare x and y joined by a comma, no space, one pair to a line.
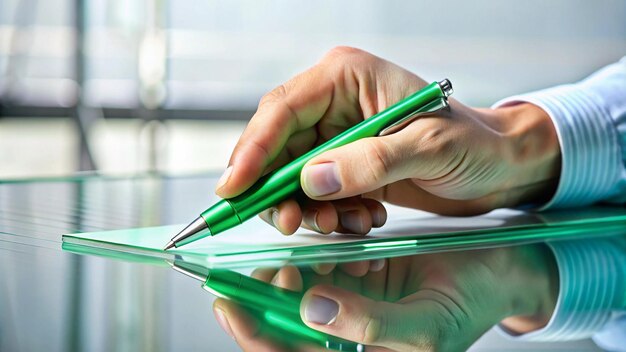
292,107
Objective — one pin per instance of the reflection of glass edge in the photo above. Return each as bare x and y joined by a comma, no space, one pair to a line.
98,176
278,320
377,248
110,253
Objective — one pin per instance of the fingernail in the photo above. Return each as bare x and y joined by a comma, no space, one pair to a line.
322,268
310,218
377,265
221,319
225,176
275,218
321,179
353,221
321,310
379,218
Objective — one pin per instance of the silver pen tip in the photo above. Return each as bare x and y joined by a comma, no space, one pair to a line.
195,227
169,245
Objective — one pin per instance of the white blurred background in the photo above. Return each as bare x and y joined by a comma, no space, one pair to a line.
131,86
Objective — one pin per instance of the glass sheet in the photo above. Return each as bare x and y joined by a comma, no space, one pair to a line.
72,302
407,232
36,213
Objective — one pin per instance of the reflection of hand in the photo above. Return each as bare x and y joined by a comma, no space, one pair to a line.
441,302
460,162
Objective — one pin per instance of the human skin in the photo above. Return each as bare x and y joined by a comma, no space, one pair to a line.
429,302
461,161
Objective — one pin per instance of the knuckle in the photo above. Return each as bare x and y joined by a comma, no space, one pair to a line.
346,53
373,330
446,328
427,341
431,135
435,141
259,147
273,95
342,50
375,154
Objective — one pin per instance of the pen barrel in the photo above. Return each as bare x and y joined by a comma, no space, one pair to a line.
278,307
281,184
249,291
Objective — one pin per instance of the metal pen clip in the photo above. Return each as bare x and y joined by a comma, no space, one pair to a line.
429,108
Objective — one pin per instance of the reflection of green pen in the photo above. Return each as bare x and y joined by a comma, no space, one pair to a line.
284,182
277,307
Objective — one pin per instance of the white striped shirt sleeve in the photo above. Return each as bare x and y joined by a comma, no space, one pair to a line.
590,120
592,294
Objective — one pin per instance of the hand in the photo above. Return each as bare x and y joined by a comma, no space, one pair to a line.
463,161
434,302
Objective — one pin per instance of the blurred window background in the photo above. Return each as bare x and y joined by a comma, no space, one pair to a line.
132,86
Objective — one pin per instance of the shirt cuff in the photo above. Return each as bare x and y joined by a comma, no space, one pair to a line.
588,141
591,289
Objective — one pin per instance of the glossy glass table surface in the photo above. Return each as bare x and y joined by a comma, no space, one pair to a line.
57,300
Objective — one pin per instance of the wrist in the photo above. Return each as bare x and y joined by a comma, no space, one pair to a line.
534,289
531,148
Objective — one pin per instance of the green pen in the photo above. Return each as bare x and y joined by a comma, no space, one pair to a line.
278,307
283,183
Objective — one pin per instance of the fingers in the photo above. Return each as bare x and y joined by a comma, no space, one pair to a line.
361,268
298,144
288,278
294,106
248,329
323,268
286,217
353,215
377,211
355,269
337,92
242,327
320,217
253,336
264,274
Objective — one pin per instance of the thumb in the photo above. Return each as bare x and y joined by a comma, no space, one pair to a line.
353,169
414,325
346,314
